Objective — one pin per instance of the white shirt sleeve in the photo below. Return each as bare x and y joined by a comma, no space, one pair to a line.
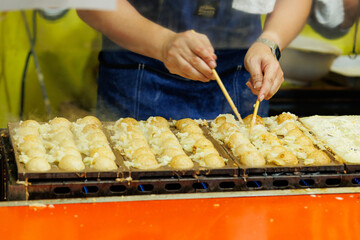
9,5
329,13
254,6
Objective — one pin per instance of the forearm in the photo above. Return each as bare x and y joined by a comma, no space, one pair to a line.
127,28
286,21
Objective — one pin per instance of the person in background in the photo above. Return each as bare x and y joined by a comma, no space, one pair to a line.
333,18
158,55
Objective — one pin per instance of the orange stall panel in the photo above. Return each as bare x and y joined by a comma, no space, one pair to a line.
320,216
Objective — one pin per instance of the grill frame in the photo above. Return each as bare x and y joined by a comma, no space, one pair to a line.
335,167
231,168
44,188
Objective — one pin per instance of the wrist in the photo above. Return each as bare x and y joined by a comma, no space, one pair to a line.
275,49
166,40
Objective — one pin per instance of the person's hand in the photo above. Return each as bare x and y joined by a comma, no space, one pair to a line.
266,75
190,55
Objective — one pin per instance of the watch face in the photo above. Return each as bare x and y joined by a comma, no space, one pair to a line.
277,53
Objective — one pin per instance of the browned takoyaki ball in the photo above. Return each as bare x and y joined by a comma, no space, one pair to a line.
60,122
183,122
89,120
181,161
258,121
284,117
159,122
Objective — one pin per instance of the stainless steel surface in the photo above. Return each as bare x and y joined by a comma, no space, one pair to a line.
306,60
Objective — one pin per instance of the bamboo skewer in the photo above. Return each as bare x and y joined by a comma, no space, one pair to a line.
254,116
227,96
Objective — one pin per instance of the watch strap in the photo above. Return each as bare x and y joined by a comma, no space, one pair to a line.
272,45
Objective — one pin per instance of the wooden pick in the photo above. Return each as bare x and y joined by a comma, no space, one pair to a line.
227,96
253,120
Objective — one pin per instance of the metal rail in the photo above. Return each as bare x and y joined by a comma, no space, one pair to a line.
154,197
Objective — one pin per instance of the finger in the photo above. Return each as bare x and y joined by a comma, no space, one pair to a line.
270,74
272,92
185,69
197,63
177,65
206,42
184,50
254,68
248,83
276,86
202,47
251,87
200,66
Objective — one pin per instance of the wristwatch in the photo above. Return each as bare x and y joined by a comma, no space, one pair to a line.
272,45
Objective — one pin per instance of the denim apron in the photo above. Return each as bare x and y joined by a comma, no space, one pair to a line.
132,85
